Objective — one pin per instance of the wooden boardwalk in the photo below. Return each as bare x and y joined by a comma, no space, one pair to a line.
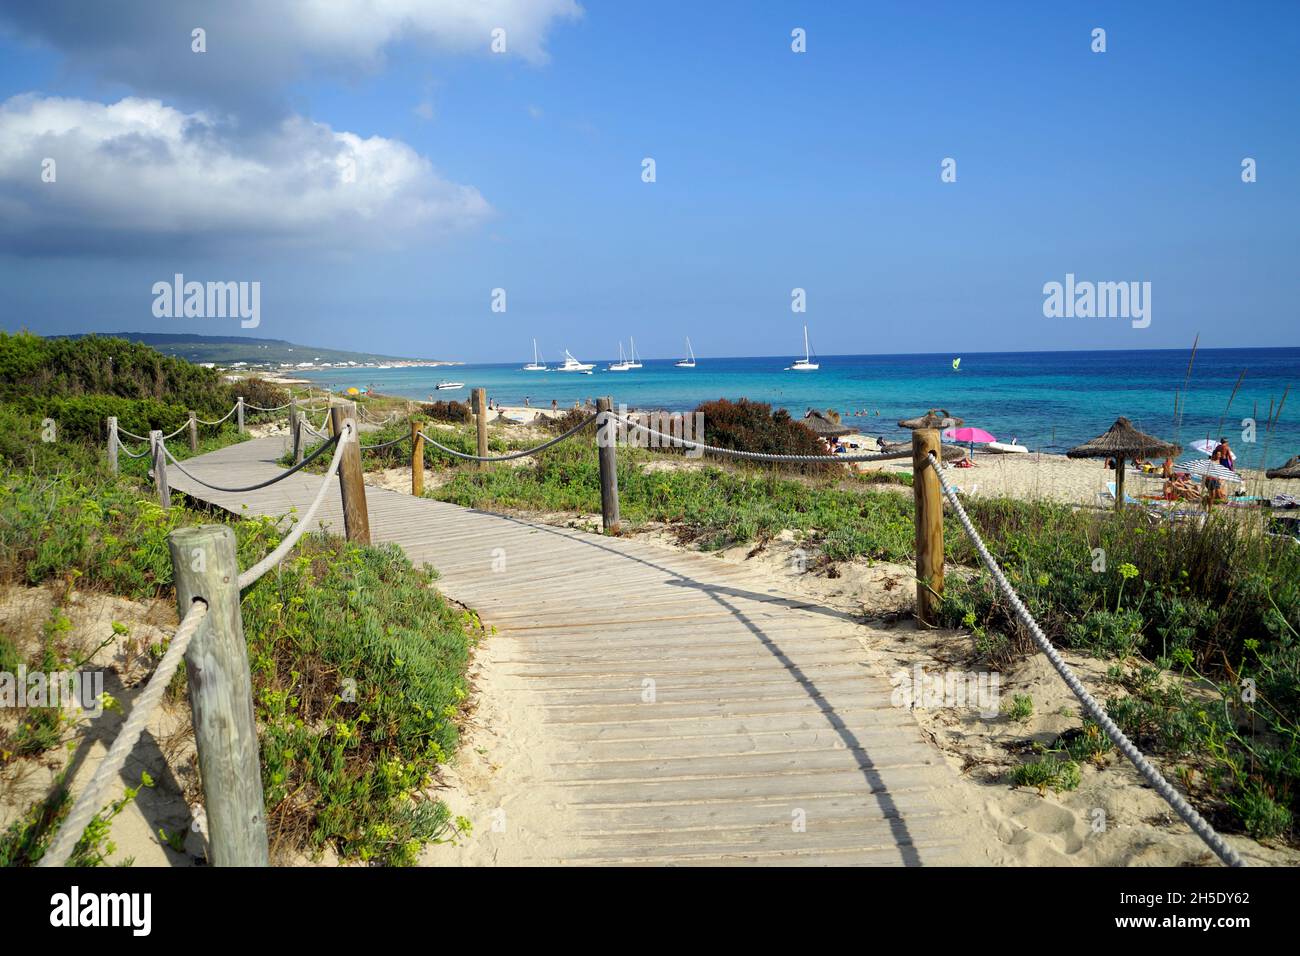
685,712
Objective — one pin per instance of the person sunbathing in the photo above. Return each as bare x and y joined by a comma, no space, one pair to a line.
1180,488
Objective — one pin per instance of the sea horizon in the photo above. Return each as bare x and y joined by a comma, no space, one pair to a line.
1049,400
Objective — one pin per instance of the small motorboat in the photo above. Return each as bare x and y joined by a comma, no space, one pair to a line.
571,364
1005,448
449,386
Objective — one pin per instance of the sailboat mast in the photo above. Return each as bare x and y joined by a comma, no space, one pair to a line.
807,355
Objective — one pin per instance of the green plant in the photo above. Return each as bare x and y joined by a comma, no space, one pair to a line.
1047,772
1021,709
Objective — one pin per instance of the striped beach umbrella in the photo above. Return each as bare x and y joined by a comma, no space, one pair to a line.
1208,468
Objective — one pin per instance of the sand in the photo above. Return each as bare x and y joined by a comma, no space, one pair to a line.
173,805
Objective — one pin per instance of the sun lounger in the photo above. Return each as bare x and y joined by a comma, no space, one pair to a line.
1110,491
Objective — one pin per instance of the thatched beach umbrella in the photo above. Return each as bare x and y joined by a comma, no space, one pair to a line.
1290,470
823,426
1122,441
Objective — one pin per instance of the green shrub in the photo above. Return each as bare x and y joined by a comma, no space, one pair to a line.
336,616
31,366
755,426
455,412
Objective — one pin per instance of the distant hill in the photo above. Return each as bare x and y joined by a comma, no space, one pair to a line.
229,349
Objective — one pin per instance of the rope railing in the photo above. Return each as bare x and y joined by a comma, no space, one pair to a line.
1198,824
86,805
517,454
203,421
755,455
275,557
316,453
386,444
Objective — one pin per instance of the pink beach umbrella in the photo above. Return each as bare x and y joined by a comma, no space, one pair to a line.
969,435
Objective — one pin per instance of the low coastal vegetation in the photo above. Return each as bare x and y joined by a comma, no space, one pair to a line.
358,663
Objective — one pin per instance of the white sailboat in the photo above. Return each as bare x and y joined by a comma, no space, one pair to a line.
805,364
687,362
571,364
622,365
536,365
633,362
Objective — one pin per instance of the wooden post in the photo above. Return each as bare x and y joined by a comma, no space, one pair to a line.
194,433
112,443
352,485
160,469
928,497
606,440
221,695
480,416
1119,483
417,459
295,431
239,414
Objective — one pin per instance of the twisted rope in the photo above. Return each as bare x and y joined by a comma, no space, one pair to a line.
387,444
285,546
177,432
316,453
366,415
1153,776
259,408
203,421
517,454
760,456
86,806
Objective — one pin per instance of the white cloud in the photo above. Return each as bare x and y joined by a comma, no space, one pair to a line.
137,173
257,49
360,29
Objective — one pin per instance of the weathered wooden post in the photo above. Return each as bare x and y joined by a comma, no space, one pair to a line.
194,433
112,443
928,498
480,417
606,441
239,414
417,458
352,484
159,458
295,430
221,695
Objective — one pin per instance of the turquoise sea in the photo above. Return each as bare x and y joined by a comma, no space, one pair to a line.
1049,401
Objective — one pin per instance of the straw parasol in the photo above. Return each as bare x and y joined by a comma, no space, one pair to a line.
823,425
1122,441
1290,470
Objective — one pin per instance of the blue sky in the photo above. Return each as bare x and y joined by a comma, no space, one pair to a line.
775,170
